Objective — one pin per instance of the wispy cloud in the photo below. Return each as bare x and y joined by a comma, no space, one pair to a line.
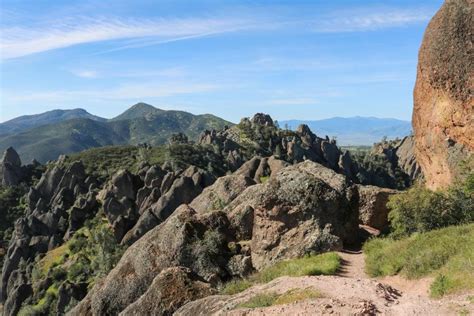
85,73
22,41
123,92
369,20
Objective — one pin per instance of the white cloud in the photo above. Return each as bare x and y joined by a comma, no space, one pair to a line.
22,41
360,20
123,92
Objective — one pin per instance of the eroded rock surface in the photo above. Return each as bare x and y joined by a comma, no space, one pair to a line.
443,116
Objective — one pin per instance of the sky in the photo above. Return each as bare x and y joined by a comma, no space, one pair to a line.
290,59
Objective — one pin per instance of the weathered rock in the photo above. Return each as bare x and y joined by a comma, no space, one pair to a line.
443,117
11,172
68,292
373,209
221,193
18,291
303,209
262,119
47,222
184,239
170,290
119,202
406,159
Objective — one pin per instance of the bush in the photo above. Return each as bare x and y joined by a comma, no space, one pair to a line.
323,264
446,253
422,210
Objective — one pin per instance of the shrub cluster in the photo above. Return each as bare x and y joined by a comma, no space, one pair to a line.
421,210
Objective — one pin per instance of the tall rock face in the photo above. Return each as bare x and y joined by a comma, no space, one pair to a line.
443,113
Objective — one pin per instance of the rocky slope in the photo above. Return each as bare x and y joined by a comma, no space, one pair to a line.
443,116
242,199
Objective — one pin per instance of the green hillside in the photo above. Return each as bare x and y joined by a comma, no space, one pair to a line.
142,123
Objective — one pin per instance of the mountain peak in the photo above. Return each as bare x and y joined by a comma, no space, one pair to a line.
138,110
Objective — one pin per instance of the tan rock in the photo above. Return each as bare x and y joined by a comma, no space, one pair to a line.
443,112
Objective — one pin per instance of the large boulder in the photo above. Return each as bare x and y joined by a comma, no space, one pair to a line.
373,209
221,193
172,288
305,208
186,239
443,118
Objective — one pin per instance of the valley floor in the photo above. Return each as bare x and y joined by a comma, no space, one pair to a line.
351,292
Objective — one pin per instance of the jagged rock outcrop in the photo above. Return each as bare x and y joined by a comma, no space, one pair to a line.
306,208
58,204
186,239
373,209
221,193
119,202
443,116
302,209
165,193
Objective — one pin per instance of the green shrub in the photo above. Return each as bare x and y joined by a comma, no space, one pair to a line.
323,264
422,210
446,254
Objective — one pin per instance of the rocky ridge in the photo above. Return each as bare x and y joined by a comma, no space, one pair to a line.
193,226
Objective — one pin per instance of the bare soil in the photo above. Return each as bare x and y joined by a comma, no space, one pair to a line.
351,292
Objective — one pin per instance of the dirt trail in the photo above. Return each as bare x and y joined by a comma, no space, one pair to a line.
350,292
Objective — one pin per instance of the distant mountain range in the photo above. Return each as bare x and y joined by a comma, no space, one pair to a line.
46,136
355,130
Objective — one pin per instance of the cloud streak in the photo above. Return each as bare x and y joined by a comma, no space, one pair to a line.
23,41
359,21
123,92
18,41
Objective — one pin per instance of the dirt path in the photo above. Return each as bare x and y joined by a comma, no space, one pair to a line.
350,292
353,264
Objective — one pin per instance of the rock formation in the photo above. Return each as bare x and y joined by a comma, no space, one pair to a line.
373,209
443,116
11,172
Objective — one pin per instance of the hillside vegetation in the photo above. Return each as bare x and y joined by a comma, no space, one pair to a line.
140,124
432,235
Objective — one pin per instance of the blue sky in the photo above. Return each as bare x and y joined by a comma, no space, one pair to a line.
291,59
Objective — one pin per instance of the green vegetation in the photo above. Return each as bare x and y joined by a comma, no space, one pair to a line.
140,124
421,210
105,161
289,297
323,264
89,255
445,253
